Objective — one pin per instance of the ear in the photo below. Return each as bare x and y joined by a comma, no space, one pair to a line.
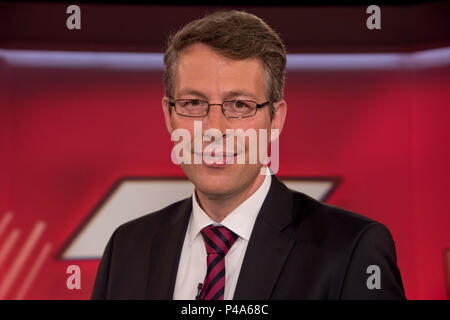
279,115
167,113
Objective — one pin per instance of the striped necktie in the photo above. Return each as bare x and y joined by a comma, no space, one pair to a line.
218,240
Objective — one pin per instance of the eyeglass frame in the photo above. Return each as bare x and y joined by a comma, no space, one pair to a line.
258,106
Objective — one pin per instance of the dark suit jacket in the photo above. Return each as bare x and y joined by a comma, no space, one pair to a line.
300,248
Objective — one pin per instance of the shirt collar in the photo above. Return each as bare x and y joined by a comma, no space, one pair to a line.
240,220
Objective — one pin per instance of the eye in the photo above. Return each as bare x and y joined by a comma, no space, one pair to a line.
192,103
195,102
240,104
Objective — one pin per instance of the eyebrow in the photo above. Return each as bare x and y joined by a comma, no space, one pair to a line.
239,93
192,92
228,95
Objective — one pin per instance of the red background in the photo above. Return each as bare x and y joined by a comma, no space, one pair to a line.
66,135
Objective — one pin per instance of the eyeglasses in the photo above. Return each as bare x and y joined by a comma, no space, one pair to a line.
230,109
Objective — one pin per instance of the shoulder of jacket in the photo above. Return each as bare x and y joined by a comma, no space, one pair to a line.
152,222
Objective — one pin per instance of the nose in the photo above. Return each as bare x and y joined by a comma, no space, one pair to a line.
215,119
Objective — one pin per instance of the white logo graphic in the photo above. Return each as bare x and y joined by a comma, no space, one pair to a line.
74,280
74,20
374,281
374,20
132,198
215,152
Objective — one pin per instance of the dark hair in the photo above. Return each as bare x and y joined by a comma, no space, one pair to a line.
236,35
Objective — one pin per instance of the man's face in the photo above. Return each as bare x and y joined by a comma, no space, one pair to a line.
204,74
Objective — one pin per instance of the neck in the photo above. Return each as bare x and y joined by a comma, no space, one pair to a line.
218,208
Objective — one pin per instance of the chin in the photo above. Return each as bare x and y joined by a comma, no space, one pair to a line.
220,182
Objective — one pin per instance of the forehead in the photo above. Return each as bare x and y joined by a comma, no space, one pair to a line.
201,68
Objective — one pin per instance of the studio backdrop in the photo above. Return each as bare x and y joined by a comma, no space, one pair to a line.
84,147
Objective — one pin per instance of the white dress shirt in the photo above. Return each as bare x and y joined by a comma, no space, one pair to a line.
192,265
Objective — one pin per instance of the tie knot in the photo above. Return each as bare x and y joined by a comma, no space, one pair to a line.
218,239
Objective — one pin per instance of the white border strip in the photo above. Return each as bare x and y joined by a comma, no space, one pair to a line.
71,59
297,61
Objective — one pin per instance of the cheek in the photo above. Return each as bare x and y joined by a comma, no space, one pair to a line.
258,124
184,124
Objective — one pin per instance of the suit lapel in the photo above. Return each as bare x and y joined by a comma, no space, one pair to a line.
266,253
165,251
268,247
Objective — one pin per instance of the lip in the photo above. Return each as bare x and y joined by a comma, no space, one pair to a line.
217,161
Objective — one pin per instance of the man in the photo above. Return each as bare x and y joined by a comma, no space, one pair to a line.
242,234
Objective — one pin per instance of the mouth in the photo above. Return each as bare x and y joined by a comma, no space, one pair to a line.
216,160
